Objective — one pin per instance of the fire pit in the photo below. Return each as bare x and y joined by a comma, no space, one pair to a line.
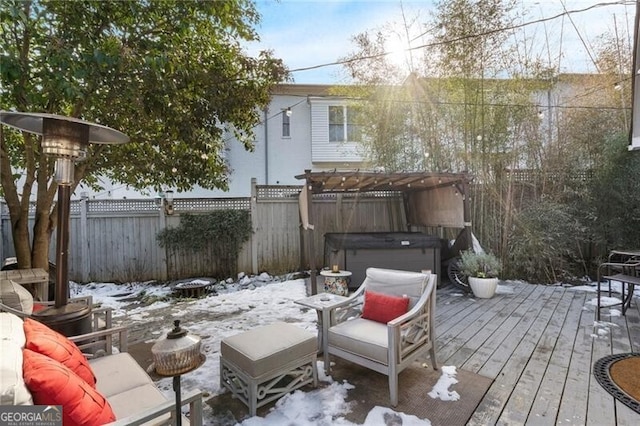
195,289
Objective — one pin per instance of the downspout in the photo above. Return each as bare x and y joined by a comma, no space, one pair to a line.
266,146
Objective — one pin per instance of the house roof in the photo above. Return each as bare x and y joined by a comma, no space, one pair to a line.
303,89
362,181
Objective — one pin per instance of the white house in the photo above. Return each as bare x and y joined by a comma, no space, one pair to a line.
303,128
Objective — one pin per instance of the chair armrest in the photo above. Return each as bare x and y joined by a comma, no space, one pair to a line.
101,340
414,329
88,300
193,398
427,296
101,318
340,312
630,264
19,313
630,267
413,312
353,299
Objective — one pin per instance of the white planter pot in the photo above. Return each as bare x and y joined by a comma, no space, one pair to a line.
483,288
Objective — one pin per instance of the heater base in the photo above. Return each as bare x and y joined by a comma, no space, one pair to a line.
70,320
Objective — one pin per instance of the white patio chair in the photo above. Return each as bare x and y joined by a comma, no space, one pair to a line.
387,348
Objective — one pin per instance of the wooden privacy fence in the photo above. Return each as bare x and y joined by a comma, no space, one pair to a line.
115,240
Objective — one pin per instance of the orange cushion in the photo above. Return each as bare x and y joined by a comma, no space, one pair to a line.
51,383
382,307
37,307
46,341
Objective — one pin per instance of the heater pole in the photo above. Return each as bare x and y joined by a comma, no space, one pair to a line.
62,246
66,139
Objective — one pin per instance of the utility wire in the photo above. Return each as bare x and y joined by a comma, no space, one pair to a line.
584,43
462,38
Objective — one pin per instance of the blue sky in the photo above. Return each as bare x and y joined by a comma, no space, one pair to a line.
306,32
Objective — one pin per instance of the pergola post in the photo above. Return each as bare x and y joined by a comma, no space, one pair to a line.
466,212
311,242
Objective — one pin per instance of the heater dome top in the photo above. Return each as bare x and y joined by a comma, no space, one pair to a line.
32,122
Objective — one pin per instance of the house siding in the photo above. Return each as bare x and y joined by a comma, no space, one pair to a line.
322,150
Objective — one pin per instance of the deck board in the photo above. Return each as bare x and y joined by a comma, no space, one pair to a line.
500,339
507,368
573,406
539,345
547,400
524,394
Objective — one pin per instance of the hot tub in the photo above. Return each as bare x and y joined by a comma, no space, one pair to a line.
356,251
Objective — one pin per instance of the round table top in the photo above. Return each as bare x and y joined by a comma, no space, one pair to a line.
328,273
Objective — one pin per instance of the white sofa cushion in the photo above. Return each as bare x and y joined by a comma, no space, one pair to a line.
15,296
118,373
11,328
126,386
13,390
363,337
136,400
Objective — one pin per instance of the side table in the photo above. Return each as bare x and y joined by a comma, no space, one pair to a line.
323,303
336,282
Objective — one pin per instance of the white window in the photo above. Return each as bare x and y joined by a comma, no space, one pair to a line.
344,124
286,123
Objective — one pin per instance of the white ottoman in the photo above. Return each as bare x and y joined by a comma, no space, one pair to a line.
266,363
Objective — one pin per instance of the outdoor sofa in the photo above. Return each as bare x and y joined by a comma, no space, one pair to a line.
95,382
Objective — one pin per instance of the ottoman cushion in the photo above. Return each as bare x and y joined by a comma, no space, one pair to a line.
268,348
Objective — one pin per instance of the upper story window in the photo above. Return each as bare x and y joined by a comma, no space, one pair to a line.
344,124
286,123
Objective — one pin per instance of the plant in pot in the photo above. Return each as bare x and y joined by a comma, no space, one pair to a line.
482,270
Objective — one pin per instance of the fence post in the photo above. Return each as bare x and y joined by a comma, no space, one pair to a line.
164,266
339,220
254,222
85,260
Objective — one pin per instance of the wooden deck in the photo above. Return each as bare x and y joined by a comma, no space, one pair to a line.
539,344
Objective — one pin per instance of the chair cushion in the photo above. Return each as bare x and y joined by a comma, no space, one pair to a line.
11,328
268,348
15,296
13,390
397,283
363,337
51,383
46,341
138,399
383,308
118,373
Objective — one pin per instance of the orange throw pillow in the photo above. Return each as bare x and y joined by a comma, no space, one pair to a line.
51,383
382,307
46,341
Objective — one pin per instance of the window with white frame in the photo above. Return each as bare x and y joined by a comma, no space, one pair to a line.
344,124
286,123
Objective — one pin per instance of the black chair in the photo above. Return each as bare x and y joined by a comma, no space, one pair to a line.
622,266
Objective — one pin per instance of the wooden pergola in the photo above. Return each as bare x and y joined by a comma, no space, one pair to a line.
360,181
430,199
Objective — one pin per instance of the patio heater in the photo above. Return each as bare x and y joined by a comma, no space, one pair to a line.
66,139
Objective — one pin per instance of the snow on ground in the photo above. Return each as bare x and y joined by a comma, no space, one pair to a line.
254,301
247,304
441,388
